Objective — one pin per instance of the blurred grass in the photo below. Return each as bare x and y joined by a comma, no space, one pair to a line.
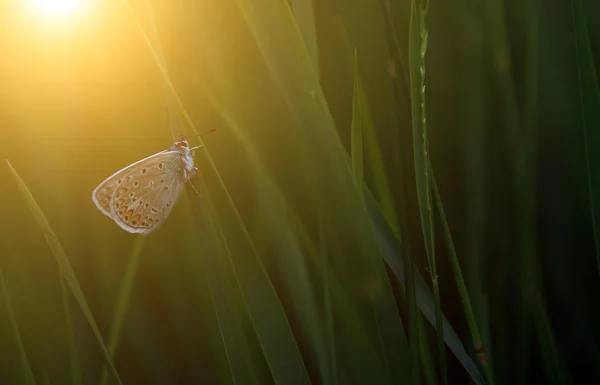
65,269
301,261
589,90
28,374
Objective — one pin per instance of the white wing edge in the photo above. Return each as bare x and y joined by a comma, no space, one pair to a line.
109,214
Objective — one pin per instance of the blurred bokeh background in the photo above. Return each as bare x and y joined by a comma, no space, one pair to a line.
280,272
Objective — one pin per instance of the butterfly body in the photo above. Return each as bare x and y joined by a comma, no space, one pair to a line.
140,196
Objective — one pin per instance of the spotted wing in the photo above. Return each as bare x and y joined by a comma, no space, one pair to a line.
147,193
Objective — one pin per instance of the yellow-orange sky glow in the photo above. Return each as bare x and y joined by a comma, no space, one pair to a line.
57,9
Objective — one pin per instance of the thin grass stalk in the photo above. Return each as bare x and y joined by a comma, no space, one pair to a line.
417,52
379,308
402,85
221,285
76,374
14,326
460,283
426,356
518,154
589,94
356,133
327,302
123,299
414,320
390,249
65,269
304,14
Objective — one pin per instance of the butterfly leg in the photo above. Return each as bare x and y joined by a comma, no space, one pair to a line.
194,188
196,147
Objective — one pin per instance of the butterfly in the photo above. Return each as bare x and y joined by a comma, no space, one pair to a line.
141,196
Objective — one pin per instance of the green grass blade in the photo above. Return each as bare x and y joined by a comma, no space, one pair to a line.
267,315
363,134
304,14
327,298
460,283
281,353
417,50
557,371
356,132
123,299
589,90
224,293
65,269
292,267
28,374
385,315
390,248
76,374
362,126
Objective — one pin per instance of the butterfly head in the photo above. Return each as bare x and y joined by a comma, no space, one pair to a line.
181,143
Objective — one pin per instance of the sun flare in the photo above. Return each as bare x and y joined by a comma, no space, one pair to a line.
56,8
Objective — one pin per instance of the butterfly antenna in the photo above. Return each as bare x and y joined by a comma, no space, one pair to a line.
170,125
204,133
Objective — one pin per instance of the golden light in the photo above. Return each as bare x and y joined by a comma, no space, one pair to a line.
57,8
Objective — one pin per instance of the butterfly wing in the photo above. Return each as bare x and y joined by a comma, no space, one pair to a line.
140,196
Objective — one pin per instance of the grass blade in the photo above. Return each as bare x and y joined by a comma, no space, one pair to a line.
589,91
305,20
390,248
417,50
282,354
123,301
65,269
76,375
356,132
460,283
29,378
221,282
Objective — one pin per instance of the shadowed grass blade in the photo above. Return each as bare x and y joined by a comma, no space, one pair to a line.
65,269
417,49
304,14
222,286
356,132
123,300
391,251
387,328
460,283
589,90
29,378
76,374
267,315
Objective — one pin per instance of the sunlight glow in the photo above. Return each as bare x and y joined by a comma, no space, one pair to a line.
54,8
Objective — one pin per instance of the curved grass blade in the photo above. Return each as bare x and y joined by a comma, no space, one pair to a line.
390,248
417,49
29,378
76,374
304,14
264,308
223,294
460,283
65,269
589,90
388,326
356,132
123,301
